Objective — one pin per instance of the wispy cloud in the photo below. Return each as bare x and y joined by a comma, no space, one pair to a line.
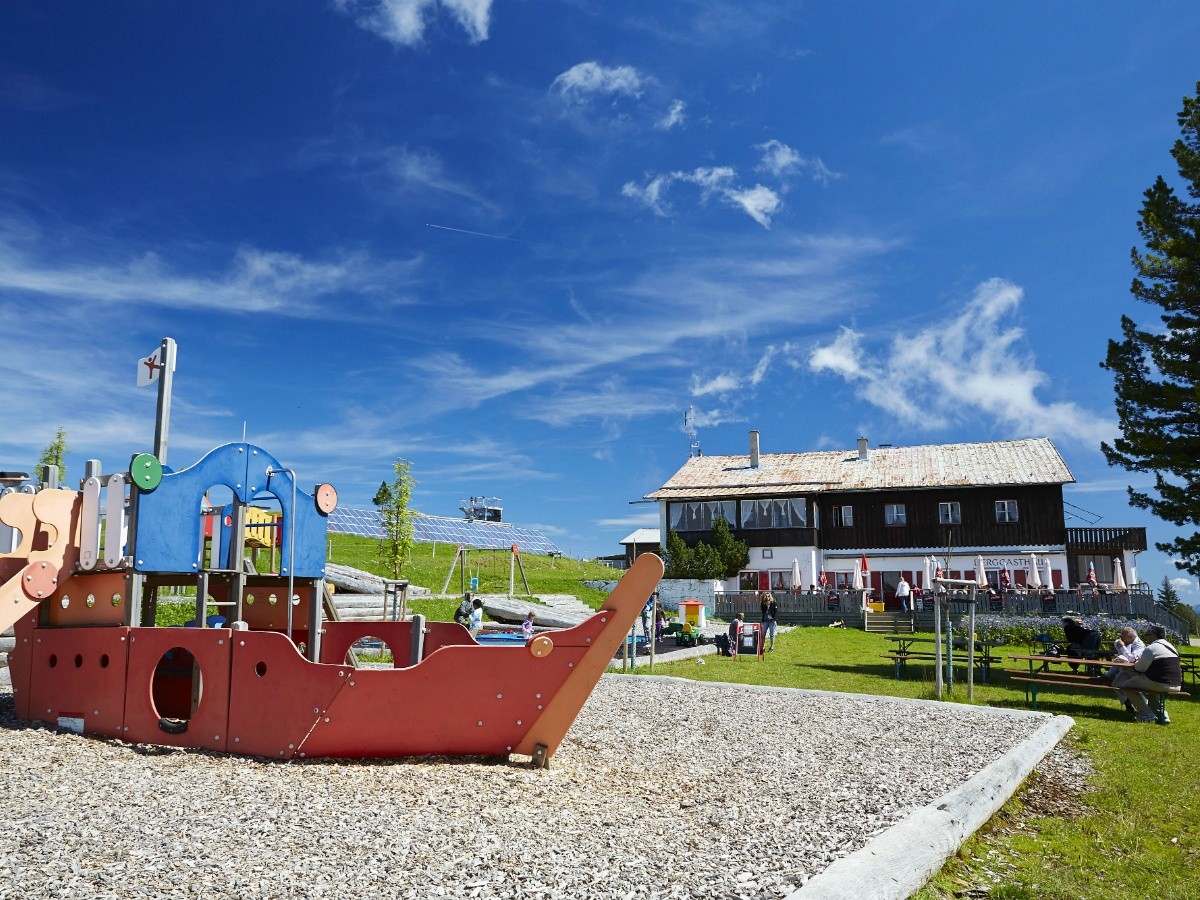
760,203
674,116
729,382
781,161
974,366
255,280
633,520
585,80
403,22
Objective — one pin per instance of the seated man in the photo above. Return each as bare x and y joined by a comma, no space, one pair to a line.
1126,648
1157,669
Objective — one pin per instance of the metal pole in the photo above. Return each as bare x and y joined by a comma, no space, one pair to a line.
162,423
971,646
937,642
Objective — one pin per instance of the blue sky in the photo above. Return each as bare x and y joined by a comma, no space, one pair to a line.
514,240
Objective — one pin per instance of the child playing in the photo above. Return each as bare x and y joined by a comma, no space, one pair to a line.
527,625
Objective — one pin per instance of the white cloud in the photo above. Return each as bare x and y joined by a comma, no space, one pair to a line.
974,365
780,160
403,22
674,116
634,520
586,79
760,203
718,384
728,382
653,195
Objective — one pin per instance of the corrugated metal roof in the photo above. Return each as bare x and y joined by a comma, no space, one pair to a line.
1028,461
642,536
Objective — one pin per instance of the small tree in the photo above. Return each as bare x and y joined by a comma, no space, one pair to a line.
734,554
1168,599
55,455
396,517
679,557
720,557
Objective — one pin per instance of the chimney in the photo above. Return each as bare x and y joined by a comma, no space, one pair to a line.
862,448
754,449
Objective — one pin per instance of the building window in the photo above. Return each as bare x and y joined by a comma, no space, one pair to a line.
894,514
768,553
949,513
1006,510
843,516
774,513
747,581
700,515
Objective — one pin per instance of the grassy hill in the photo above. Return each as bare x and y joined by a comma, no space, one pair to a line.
430,564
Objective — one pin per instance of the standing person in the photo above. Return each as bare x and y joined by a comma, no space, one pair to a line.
770,612
735,633
646,618
527,626
1157,669
903,591
476,624
660,620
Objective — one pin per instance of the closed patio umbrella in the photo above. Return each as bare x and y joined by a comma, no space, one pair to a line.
1035,577
980,574
858,577
797,583
1091,579
1049,575
1118,583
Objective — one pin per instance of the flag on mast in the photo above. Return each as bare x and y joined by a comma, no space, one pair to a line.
150,368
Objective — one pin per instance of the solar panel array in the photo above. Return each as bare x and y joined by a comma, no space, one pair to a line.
440,529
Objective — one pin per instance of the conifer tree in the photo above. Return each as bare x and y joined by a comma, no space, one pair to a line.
1156,369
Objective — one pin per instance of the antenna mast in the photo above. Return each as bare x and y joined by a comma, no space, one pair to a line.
689,428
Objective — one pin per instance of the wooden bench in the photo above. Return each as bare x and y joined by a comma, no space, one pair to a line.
1072,680
983,661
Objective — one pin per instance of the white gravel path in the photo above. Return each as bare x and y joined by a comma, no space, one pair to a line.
662,789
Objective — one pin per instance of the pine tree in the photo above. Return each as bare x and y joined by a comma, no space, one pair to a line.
1167,598
1156,369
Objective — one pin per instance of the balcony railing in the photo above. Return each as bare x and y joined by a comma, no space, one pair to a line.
1081,540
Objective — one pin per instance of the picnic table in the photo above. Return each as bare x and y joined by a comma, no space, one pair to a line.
1042,673
903,652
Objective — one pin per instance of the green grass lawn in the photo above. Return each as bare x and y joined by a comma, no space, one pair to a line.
430,564
1138,831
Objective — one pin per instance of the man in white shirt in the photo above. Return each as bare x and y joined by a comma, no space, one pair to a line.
902,593
1157,669
1126,648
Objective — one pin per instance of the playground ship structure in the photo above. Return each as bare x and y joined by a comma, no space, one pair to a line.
80,587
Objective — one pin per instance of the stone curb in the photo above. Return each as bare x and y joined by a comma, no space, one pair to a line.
900,861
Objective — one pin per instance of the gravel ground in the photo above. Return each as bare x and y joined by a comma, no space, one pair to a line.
661,790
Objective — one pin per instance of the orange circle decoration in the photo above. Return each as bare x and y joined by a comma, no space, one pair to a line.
39,580
326,497
541,646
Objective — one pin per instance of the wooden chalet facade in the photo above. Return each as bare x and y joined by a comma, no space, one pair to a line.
899,508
